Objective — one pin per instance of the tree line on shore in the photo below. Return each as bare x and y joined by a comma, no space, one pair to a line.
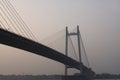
97,76
107,76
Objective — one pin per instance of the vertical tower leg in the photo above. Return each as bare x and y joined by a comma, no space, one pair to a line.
66,50
79,48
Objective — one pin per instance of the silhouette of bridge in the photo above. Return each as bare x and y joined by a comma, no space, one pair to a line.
20,41
17,41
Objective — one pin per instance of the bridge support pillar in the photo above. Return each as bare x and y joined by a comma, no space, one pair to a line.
68,34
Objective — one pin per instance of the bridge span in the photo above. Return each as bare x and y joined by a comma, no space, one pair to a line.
20,42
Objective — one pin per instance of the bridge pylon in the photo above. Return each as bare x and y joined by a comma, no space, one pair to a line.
68,34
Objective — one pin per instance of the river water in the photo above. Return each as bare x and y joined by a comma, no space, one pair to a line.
37,78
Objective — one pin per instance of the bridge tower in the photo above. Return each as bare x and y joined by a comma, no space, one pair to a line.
68,34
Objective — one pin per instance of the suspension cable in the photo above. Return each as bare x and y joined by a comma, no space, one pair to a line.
8,18
50,36
21,20
22,30
4,21
18,21
85,52
2,25
11,17
73,48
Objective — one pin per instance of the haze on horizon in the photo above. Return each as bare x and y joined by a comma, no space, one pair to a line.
99,22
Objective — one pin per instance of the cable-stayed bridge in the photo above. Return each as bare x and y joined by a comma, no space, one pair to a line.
15,33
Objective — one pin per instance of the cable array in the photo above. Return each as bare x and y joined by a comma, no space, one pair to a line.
24,25
12,20
2,24
73,48
82,44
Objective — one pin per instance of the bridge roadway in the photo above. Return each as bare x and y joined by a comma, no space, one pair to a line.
17,41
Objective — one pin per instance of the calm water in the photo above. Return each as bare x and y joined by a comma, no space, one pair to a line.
36,78
107,79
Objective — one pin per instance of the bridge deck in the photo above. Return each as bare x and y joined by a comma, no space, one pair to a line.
17,41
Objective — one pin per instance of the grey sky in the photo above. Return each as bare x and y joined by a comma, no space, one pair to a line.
99,22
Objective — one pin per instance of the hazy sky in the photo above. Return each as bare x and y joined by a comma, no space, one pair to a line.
99,22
